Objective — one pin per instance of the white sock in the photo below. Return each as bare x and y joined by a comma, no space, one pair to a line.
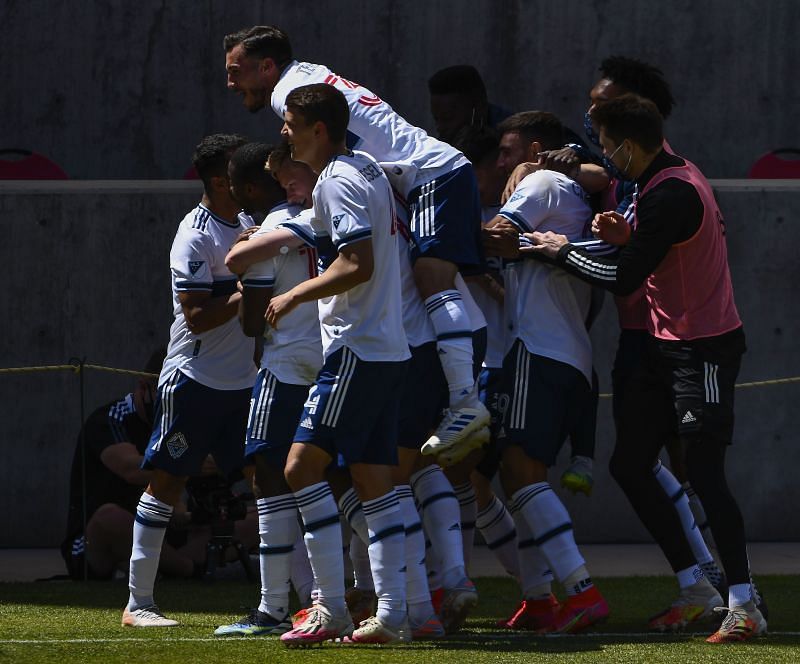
739,594
536,578
387,556
432,564
418,595
578,581
324,543
301,575
278,529
440,514
454,340
678,496
468,508
700,517
551,526
689,576
497,527
149,527
359,552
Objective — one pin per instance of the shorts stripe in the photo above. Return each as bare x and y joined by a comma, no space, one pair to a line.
711,384
519,403
264,406
167,406
333,407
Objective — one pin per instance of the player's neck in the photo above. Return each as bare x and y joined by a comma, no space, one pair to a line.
227,210
328,154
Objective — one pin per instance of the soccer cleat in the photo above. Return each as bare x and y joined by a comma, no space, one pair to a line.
432,628
578,475
146,616
456,605
361,603
300,616
474,441
533,614
741,623
320,625
696,602
457,424
256,623
579,612
373,630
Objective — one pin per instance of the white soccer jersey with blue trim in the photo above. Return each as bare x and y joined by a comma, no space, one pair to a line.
545,306
353,202
407,153
220,358
292,351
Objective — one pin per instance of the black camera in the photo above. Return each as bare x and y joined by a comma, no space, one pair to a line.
211,501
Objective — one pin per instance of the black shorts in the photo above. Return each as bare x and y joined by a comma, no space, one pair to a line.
686,386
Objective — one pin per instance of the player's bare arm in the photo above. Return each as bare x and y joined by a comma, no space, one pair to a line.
244,254
124,460
252,309
353,266
204,312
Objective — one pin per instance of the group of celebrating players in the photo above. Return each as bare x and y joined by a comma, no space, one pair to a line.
415,338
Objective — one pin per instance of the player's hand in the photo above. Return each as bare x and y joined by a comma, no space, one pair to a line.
501,240
245,234
564,161
611,227
546,244
517,175
279,306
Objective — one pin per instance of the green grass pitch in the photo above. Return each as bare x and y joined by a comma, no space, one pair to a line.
80,622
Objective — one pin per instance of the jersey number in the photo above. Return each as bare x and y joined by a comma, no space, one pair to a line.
343,83
311,257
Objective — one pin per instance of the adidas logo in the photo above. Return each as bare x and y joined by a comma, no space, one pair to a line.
688,418
307,423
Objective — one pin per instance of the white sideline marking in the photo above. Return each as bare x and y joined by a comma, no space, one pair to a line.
216,639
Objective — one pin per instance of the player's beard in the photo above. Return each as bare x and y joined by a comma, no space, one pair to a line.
259,100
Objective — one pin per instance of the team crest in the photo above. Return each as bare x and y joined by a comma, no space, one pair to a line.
177,445
515,198
336,220
194,266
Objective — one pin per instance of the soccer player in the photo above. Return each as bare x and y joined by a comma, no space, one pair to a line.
291,358
436,180
205,382
351,410
548,373
687,375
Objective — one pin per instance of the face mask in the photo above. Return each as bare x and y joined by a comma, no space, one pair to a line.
613,170
588,129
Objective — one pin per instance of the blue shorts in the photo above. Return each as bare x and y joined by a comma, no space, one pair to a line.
446,220
425,394
275,409
193,421
352,409
545,398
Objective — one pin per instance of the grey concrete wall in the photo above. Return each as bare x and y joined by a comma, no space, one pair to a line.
124,89
87,275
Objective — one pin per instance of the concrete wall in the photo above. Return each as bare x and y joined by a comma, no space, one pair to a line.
87,276
124,89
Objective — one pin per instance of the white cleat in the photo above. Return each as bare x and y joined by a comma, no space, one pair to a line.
461,420
147,616
474,441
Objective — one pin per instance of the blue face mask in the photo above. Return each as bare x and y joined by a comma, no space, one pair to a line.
588,129
613,170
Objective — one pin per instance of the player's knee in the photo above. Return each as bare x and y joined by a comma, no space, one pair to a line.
433,275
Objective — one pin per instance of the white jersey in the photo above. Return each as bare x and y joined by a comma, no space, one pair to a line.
220,358
293,351
545,306
409,156
491,308
353,202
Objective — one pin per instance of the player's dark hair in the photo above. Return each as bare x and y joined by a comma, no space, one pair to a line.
211,156
262,41
633,117
640,78
458,79
320,102
477,143
278,157
249,163
539,126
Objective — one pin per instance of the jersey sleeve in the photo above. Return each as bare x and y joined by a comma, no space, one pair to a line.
340,206
302,226
529,205
191,263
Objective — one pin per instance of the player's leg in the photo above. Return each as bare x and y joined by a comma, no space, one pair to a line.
578,476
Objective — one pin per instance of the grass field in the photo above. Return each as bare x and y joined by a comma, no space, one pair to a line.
78,622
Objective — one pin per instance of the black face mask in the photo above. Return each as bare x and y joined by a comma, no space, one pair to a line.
613,170
588,129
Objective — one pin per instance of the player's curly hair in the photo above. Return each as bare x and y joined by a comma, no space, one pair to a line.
640,78
248,163
211,156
